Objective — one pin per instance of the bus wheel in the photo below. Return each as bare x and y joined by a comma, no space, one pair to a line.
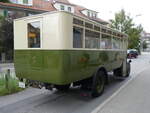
128,69
98,84
62,87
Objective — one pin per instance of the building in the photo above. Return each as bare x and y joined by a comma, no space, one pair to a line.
145,38
21,8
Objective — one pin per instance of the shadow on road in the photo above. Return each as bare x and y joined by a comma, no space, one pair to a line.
77,100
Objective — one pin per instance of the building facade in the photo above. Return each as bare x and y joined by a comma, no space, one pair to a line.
27,7
145,40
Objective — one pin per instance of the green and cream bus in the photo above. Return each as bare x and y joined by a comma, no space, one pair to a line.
57,49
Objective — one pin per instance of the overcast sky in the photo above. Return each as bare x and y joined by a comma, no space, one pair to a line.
138,9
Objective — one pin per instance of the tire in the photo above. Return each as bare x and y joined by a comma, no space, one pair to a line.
62,87
128,69
98,84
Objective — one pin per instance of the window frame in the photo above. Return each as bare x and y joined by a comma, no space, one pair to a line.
88,14
102,30
25,2
69,9
109,39
62,7
92,38
41,32
82,38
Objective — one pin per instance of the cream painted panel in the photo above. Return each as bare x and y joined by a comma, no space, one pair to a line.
66,30
21,33
51,38
20,40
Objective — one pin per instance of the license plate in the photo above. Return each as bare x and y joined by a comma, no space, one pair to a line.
21,84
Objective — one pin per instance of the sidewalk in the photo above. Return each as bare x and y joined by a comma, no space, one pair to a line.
134,98
5,66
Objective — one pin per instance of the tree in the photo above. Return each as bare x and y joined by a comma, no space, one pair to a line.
1,19
124,23
134,34
5,1
6,38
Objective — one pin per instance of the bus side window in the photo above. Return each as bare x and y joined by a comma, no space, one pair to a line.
122,44
77,37
125,44
116,43
106,42
92,39
34,34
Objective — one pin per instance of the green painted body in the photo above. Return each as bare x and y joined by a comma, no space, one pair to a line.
64,66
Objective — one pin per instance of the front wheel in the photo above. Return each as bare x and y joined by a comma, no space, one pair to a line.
119,71
128,69
98,84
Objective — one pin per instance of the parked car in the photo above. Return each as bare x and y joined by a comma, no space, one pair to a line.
132,53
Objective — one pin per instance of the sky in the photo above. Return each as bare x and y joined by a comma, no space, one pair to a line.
139,10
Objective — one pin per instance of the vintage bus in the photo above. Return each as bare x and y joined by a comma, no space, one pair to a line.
56,49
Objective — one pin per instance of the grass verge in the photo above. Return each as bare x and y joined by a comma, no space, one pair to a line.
12,86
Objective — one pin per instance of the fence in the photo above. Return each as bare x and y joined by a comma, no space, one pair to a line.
10,72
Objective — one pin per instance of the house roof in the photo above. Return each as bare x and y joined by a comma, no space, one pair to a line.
10,5
63,1
45,6
79,9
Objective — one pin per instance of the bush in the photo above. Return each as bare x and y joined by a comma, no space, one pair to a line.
12,86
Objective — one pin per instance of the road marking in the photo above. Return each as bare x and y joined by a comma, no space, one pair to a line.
117,92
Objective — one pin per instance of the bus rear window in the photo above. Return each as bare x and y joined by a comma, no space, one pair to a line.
34,34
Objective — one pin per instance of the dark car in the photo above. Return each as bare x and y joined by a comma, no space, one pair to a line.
132,53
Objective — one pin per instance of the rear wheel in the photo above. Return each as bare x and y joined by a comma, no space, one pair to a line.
62,87
98,84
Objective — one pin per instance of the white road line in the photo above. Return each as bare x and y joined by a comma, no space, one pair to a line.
117,92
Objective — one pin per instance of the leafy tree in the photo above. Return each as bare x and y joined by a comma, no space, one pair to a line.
6,37
122,22
1,19
125,24
134,34
5,1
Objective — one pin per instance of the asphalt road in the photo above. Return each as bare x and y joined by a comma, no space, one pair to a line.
74,101
132,98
